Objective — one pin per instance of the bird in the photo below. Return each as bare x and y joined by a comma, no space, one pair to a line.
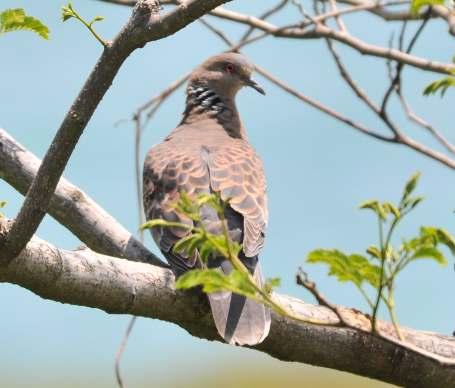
209,152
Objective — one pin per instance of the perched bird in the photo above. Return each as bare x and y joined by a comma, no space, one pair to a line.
209,153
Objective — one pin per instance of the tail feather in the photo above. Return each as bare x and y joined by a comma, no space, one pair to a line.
240,320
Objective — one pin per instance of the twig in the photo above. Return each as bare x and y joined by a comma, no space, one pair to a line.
423,123
349,80
322,107
399,67
120,351
303,280
70,12
338,19
264,16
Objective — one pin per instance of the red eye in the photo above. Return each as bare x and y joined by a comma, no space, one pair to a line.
230,68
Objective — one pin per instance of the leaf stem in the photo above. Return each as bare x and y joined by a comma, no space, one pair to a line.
266,297
367,298
391,307
90,28
381,276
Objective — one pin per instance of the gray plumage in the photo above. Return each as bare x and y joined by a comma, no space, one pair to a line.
209,152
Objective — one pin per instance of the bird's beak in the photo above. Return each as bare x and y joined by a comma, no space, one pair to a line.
254,85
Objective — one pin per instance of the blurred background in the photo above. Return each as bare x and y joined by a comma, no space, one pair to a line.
318,171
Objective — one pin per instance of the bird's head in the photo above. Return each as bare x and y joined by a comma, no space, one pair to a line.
226,74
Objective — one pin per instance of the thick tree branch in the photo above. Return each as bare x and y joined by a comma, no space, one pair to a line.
145,25
71,207
123,287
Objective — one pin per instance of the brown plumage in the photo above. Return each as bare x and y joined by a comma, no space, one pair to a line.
209,152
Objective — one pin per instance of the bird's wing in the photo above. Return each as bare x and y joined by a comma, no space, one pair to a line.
169,170
237,173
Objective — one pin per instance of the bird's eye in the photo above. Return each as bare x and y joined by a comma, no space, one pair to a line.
229,68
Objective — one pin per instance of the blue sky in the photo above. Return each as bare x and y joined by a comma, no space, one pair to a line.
318,171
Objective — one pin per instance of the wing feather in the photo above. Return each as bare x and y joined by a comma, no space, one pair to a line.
237,173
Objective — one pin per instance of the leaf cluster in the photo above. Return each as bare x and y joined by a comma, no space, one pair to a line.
68,12
205,245
440,85
381,264
213,280
17,20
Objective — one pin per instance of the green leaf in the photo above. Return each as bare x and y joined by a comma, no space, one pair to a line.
391,208
442,236
96,19
374,251
213,280
416,5
440,85
353,268
17,20
160,222
376,207
187,245
430,253
68,12
272,283
410,186
188,206
412,202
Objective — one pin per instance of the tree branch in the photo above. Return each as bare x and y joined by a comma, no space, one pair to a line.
119,286
321,31
71,207
144,26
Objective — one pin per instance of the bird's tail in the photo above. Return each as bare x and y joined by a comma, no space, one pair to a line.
240,320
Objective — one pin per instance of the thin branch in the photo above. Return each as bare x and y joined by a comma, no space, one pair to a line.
397,86
399,137
303,280
322,31
278,7
141,220
349,80
400,65
423,123
121,350
323,108
338,19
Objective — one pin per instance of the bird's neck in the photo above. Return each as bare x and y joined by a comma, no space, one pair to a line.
203,102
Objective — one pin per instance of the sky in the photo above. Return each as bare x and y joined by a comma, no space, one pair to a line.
318,171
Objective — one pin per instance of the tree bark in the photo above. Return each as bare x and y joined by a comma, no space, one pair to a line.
118,286
71,207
